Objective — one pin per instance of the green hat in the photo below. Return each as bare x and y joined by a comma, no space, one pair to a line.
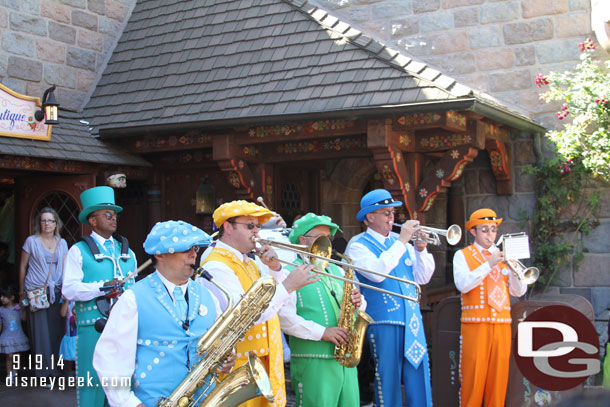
94,199
308,222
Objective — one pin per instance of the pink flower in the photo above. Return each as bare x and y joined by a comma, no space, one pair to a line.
541,80
586,45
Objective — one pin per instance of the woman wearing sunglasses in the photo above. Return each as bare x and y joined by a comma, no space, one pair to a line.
485,283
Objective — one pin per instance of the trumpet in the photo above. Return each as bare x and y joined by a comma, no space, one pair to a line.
431,235
319,254
528,275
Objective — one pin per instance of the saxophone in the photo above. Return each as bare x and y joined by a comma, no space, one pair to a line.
251,379
352,319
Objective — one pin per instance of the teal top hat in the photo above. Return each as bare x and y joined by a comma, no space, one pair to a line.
94,199
376,199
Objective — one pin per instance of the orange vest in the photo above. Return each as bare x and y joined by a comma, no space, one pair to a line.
477,303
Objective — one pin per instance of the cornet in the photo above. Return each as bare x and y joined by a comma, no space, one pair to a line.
528,275
453,234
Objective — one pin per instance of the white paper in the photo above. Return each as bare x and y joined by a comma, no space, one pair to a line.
516,247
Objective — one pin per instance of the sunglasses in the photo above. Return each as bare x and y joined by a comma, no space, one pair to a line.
250,226
196,249
387,214
108,215
486,229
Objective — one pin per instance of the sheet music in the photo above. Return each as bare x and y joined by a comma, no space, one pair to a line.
516,247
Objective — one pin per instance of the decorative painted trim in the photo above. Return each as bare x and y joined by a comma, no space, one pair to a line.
287,129
418,119
445,141
31,163
191,139
314,146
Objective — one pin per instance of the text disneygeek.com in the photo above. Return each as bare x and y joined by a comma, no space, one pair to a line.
71,381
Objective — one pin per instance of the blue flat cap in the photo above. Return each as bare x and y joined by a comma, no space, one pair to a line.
173,237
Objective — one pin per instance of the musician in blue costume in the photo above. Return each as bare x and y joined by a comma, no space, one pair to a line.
93,268
397,340
149,344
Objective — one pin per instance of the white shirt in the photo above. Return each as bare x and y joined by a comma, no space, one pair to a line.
423,262
115,352
295,325
466,280
226,277
73,287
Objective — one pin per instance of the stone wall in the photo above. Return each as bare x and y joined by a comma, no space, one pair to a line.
494,46
59,42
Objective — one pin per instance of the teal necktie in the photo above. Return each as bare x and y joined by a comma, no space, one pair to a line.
180,303
109,247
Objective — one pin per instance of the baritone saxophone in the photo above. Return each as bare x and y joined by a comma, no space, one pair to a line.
352,319
246,382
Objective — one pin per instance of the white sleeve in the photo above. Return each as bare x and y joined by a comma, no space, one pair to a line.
385,263
295,325
516,287
115,351
226,277
465,279
423,265
73,287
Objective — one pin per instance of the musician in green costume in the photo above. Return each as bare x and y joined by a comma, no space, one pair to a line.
311,321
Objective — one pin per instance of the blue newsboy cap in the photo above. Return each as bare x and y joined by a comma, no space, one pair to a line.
376,199
173,237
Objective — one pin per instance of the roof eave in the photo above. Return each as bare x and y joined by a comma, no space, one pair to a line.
496,113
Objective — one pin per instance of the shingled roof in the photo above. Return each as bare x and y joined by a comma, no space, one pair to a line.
199,63
70,140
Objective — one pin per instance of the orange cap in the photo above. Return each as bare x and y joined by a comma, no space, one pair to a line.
481,216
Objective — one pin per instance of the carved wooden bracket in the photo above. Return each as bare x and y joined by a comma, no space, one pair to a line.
240,177
449,168
394,175
238,172
500,165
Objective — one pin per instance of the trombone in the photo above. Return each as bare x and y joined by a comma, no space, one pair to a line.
319,253
453,234
528,275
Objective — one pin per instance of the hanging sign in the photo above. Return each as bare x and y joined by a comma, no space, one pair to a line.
17,116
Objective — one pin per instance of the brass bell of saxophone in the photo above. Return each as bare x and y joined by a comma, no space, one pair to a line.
353,320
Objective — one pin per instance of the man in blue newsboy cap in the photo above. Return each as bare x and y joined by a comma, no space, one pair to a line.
158,322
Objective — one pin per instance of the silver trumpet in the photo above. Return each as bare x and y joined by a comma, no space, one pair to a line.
528,275
431,235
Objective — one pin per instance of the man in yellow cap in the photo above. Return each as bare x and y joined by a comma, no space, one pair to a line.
232,267
485,283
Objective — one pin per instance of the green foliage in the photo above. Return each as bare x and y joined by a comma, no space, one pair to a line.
566,206
586,93
564,212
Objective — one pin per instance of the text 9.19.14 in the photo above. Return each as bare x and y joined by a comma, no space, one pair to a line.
35,362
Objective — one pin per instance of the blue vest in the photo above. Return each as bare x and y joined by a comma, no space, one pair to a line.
94,271
164,348
388,309
385,308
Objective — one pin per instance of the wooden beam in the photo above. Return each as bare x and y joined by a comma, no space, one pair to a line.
501,165
447,169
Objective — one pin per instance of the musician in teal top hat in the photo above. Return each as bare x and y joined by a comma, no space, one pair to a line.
95,267
311,321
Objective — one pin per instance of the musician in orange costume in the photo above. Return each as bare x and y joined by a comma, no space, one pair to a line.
485,342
